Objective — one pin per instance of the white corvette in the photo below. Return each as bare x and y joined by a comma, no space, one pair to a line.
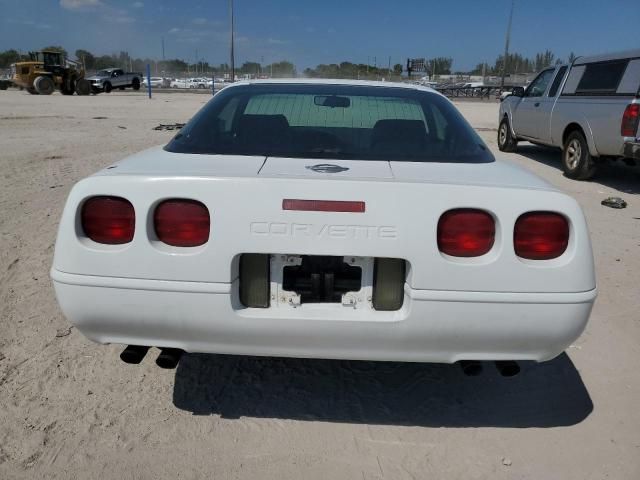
330,219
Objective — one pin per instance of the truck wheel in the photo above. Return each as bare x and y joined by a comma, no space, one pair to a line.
506,142
32,91
83,87
107,87
44,85
69,88
577,162
136,84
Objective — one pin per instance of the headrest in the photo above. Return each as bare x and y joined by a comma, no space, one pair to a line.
399,131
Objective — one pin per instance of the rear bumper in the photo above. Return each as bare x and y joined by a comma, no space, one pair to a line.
632,150
431,326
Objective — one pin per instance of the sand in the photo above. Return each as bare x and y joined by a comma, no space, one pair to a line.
70,409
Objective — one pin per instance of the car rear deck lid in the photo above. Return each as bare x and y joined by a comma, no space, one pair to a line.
326,168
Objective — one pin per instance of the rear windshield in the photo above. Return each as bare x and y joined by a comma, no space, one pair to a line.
333,122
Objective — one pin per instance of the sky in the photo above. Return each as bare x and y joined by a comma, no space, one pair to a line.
309,32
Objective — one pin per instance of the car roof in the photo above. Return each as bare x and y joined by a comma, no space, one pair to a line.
325,81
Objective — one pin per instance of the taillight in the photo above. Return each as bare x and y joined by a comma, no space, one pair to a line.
466,232
182,223
541,235
109,220
629,125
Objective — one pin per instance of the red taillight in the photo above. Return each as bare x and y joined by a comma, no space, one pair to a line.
109,220
323,205
182,223
466,232
541,235
629,125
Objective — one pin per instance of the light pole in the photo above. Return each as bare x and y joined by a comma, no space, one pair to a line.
233,60
506,47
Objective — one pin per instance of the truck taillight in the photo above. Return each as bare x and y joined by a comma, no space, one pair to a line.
108,220
541,235
466,232
629,125
182,223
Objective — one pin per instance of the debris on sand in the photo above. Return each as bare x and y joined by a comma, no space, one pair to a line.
63,332
614,202
506,461
169,126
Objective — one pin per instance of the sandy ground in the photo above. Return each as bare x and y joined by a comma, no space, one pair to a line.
71,409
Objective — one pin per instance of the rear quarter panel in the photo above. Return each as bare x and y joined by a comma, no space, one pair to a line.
599,118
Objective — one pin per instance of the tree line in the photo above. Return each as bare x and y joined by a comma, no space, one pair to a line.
123,60
352,70
515,63
158,67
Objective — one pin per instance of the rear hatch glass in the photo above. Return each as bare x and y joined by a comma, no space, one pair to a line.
318,121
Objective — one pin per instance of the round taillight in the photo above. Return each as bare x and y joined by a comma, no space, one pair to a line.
108,220
541,235
182,223
466,232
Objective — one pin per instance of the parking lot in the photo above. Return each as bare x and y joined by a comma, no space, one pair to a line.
71,409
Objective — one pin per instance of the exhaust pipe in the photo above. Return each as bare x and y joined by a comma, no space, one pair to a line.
471,368
134,354
169,358
507,368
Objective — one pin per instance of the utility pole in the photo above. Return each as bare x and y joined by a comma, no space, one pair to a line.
506,46
233,60
162,40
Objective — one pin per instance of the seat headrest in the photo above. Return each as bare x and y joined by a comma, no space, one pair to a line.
263,122
399,131
263,134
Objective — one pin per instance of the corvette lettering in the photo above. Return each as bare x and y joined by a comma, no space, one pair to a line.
283,229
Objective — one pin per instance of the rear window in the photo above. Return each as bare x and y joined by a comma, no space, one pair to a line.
601,77
333,122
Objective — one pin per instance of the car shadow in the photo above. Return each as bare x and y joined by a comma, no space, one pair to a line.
549,394
613,174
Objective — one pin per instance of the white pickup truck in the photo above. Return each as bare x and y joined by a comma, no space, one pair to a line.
110,78
590,109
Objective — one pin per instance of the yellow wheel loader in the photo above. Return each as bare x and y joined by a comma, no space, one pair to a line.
47,71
